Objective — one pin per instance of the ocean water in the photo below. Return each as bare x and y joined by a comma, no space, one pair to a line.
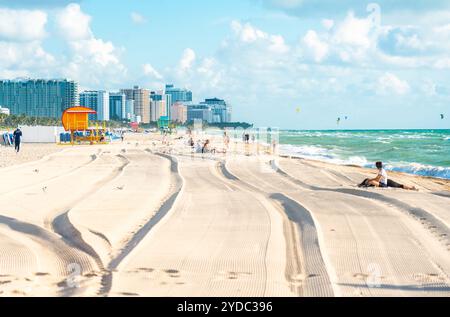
420,152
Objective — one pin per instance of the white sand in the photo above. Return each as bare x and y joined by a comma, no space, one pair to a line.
136,223
27,153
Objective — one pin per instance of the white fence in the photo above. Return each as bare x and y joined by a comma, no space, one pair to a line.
41,134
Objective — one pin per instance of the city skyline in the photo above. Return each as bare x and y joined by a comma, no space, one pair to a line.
291,64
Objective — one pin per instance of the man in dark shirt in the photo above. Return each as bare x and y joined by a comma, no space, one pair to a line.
17,139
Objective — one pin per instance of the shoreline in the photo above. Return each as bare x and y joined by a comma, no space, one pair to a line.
441,181
9,158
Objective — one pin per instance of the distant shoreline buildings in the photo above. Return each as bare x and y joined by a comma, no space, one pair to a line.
38,97
49,98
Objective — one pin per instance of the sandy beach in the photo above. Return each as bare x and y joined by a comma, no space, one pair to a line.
143,218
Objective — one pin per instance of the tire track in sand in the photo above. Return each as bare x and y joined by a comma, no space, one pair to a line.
166,206
429,222
94,157
62,225
307,270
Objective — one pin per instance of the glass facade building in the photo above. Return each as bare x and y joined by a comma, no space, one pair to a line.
201,112
221,111
98,101
178,95
38,97
117,106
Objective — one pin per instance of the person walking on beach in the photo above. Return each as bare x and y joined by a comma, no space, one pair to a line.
382,180
17,139
226,140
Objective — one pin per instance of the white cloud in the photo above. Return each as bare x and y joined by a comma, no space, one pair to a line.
389,83
277,44
73,23
318,48
21,50
328,24
22,56
249,34
93,61
138,18
149,70
442,63
287,4
354,31
95,51
187,60
429,87
22,25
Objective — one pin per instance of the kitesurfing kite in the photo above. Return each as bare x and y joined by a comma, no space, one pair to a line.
338,121
442,116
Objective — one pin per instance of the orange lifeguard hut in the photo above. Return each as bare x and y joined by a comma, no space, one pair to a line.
76,121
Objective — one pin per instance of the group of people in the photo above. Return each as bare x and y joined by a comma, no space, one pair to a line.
381,180
246,138
201,147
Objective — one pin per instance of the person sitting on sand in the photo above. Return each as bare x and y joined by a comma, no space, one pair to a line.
191,142
198,147
205,147
383,181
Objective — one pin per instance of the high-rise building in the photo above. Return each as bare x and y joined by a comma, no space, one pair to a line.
38,97
221,110
201,112
129,110
117,106
179,112
156,95
178,95
159,105
158,109
169,103
141,99
212,110
98,101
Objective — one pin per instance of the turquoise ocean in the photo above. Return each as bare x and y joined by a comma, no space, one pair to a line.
420,152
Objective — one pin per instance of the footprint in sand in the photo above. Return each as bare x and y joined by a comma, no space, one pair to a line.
297,279
17,292
360,276
129,294
428,277
41,274
173,273
225,275
4,282
144,269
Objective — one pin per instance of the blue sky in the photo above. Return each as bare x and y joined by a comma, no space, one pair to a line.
384,65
